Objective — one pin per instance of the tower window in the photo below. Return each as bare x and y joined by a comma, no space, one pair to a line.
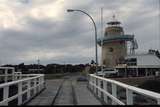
110,49
104,62
121,42
106,33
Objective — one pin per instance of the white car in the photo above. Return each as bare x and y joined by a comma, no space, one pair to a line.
107,72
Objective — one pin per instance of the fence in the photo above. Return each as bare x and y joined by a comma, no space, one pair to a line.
117,93
21,89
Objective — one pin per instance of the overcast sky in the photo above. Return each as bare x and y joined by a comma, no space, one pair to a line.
32,29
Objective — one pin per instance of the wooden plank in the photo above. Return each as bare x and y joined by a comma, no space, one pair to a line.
46,97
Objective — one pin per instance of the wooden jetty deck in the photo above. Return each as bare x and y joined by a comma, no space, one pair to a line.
65,92
46,97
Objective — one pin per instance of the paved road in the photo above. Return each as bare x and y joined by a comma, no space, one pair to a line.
82,96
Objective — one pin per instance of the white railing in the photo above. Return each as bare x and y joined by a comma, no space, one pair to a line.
7,72
21,89
108,90
17,75
12,77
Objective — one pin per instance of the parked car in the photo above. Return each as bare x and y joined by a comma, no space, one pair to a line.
107,72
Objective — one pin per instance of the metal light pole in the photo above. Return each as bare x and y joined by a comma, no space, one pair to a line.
96,55
101,35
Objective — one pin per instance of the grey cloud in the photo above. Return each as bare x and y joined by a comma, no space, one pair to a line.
24,1
70,35
35,38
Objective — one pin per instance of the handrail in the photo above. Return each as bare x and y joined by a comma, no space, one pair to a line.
138,90
21,80
6,67
129,88
34,82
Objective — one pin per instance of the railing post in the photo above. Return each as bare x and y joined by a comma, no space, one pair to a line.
13,72
42,85
15,76
158,101
42,78
99,85
5,94
94,86
6,75
129,96
42,81
102,86
89,81
20,93
35,86
114,92
28,88
39,82
137,74
105,88
36,81
20,76
92,83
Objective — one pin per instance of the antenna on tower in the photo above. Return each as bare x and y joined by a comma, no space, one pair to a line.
113,16
134,45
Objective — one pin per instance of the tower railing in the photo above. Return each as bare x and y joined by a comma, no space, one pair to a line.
117,93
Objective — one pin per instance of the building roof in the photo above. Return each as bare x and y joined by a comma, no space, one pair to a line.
145,59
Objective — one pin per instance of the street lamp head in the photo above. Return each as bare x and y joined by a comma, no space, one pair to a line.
70,10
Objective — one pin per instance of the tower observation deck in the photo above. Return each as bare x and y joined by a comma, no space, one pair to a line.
114,44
